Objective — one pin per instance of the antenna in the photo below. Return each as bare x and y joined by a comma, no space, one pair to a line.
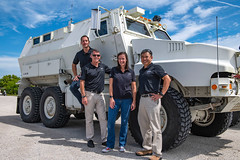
70,22
71,14
217,48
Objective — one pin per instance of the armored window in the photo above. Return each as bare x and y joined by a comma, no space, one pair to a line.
137,27
36,40
103,29
47,37
161,35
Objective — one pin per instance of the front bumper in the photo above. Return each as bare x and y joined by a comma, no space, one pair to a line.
225,87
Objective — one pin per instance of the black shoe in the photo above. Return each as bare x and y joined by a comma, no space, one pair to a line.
90,144
104,144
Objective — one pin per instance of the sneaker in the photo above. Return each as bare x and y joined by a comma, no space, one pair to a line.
122,149
106,150
90,144
104,144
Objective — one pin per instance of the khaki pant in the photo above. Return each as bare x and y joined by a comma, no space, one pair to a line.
150,124
95,101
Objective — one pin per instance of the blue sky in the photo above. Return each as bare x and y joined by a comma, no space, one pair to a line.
189,20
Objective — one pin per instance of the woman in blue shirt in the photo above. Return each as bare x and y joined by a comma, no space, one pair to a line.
122,91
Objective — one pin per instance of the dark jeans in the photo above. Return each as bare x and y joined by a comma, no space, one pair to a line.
125,105
74,88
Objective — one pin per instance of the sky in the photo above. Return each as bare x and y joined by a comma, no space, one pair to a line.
193,21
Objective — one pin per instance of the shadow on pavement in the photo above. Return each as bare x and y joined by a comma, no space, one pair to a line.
196,145
73,134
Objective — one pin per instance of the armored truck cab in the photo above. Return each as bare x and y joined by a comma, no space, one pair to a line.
204,88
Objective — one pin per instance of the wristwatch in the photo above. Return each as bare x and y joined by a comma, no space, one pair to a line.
111,96
83,96
161,93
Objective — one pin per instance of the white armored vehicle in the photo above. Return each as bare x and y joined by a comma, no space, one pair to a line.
203,94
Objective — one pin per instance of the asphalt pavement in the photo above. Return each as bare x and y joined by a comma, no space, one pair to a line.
30,141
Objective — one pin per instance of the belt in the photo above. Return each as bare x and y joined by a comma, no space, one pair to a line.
97,92
146,95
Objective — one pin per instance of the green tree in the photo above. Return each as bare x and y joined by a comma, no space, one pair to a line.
8,83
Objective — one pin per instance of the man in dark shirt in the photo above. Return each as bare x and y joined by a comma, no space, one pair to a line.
92,85
150,103
82,57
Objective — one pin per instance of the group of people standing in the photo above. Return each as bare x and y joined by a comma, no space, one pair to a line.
122,96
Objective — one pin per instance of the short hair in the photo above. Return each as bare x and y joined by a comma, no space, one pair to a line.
147,50
84,36
94,50
126,56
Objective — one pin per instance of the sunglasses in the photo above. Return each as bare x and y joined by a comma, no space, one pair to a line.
96,55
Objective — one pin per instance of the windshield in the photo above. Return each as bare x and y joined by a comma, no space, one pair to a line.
137,27
161,35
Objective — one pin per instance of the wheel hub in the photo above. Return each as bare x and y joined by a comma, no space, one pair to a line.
163,116
27,105
49,107
204,118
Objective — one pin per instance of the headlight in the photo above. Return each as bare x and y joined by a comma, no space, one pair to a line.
234,88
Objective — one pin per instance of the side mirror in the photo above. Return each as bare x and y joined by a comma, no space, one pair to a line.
95,19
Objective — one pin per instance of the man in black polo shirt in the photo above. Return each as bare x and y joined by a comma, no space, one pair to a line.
92,85
150,103
82,57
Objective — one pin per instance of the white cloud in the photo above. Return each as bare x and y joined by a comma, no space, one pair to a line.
31,13
171,25
202,13
15,29
189,31
6,62
186,17
181,7
232,41
34,18
9,65
153,4
36,12
235,24
7,6
63,15
229,4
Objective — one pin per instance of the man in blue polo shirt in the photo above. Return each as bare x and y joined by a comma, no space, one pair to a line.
82,57
92,85
150,103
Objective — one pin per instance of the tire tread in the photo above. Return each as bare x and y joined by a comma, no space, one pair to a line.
185,120
63,117
35,93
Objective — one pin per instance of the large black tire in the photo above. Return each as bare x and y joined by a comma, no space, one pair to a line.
175,120
29,104
217,124
53,111
235,118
